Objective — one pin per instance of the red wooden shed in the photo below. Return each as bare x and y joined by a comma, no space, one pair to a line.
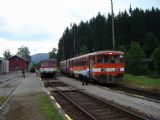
17,63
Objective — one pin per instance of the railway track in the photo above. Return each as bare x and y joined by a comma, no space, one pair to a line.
7,88
6,92
140,93
89,106
149,95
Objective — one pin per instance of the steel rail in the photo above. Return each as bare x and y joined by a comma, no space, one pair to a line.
137,95
135,92
84,111
141,90
116,107
10,95
113,106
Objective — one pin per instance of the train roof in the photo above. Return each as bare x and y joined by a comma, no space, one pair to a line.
96,53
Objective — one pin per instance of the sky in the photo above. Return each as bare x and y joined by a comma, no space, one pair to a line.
39,24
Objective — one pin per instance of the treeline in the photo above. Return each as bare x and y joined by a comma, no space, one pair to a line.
140,26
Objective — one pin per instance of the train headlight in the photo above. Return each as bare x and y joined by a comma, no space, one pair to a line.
117,69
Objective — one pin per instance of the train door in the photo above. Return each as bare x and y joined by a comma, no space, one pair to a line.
67,64
91,63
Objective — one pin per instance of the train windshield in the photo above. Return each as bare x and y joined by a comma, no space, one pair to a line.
48,64
110,59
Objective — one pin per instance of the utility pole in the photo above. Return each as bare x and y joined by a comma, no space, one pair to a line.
74,38
63,50
113,37
74,41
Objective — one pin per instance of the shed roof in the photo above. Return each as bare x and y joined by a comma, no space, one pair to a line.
18,57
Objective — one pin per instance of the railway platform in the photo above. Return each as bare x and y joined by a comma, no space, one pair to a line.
23,104
139,105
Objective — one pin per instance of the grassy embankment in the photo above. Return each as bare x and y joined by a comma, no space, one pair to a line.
48,110
143,82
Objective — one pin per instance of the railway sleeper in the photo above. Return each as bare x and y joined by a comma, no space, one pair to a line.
100,110
87,103
96,107
110,117
92,109
78,99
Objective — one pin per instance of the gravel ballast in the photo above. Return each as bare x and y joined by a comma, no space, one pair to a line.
141,105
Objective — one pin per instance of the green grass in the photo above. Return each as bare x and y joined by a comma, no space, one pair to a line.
48,110
142,82
3,99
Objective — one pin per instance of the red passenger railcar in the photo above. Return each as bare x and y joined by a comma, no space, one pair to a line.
103,66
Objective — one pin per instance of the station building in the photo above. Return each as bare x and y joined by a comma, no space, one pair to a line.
17,63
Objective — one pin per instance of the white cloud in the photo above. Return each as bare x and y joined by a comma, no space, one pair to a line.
34,46
50,17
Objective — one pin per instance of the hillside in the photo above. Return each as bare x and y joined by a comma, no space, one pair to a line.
36,58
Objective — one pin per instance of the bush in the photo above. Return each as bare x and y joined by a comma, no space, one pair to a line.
32,70
156,59
133,58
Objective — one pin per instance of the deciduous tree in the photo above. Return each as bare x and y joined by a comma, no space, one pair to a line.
7,54
53,54
24,53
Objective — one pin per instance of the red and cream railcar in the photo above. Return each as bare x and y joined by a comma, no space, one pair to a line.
103,66
48,67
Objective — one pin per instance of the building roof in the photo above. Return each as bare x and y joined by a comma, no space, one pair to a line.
18,57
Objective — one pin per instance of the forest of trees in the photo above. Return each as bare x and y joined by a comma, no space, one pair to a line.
136,25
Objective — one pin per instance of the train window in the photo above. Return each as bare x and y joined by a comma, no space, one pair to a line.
110,59
117,59
92,60
76,63
86,61
102,59
79,63
82,63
